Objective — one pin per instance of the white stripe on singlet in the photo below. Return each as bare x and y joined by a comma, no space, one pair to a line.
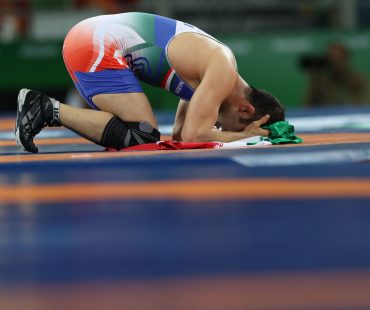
127,36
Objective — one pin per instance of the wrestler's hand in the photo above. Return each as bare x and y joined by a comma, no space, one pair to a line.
254,128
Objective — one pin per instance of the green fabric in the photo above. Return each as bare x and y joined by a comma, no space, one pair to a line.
282,133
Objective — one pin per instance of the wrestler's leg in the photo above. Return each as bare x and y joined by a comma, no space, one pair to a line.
130,107
108,86
86,122
124,119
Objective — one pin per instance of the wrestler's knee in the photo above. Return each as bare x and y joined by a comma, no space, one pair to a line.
119,134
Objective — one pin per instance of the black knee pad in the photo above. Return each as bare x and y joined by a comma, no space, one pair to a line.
118,134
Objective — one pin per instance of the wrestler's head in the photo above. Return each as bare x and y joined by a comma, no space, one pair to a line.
249,105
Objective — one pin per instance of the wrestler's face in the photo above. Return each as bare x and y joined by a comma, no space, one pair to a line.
234,114
230,115
231,124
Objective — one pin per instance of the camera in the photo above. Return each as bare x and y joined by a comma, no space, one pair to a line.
314,62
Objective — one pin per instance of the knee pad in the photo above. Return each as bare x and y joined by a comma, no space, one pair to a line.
118,134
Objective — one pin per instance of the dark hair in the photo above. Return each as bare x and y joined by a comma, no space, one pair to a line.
264,103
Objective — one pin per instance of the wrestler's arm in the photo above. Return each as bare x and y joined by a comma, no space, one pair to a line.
179,120
202,110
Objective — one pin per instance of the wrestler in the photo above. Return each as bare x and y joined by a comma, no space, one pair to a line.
107,55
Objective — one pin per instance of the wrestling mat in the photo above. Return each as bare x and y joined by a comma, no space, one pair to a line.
272,227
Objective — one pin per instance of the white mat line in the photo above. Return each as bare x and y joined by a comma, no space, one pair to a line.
294,159
304,123
316,123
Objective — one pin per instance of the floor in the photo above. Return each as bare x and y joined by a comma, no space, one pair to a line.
274,227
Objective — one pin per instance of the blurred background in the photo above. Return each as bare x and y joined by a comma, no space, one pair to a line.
295,236
306,52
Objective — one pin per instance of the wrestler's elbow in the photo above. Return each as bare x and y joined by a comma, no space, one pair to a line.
191,138
176,136
188,134
176,133
194,136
